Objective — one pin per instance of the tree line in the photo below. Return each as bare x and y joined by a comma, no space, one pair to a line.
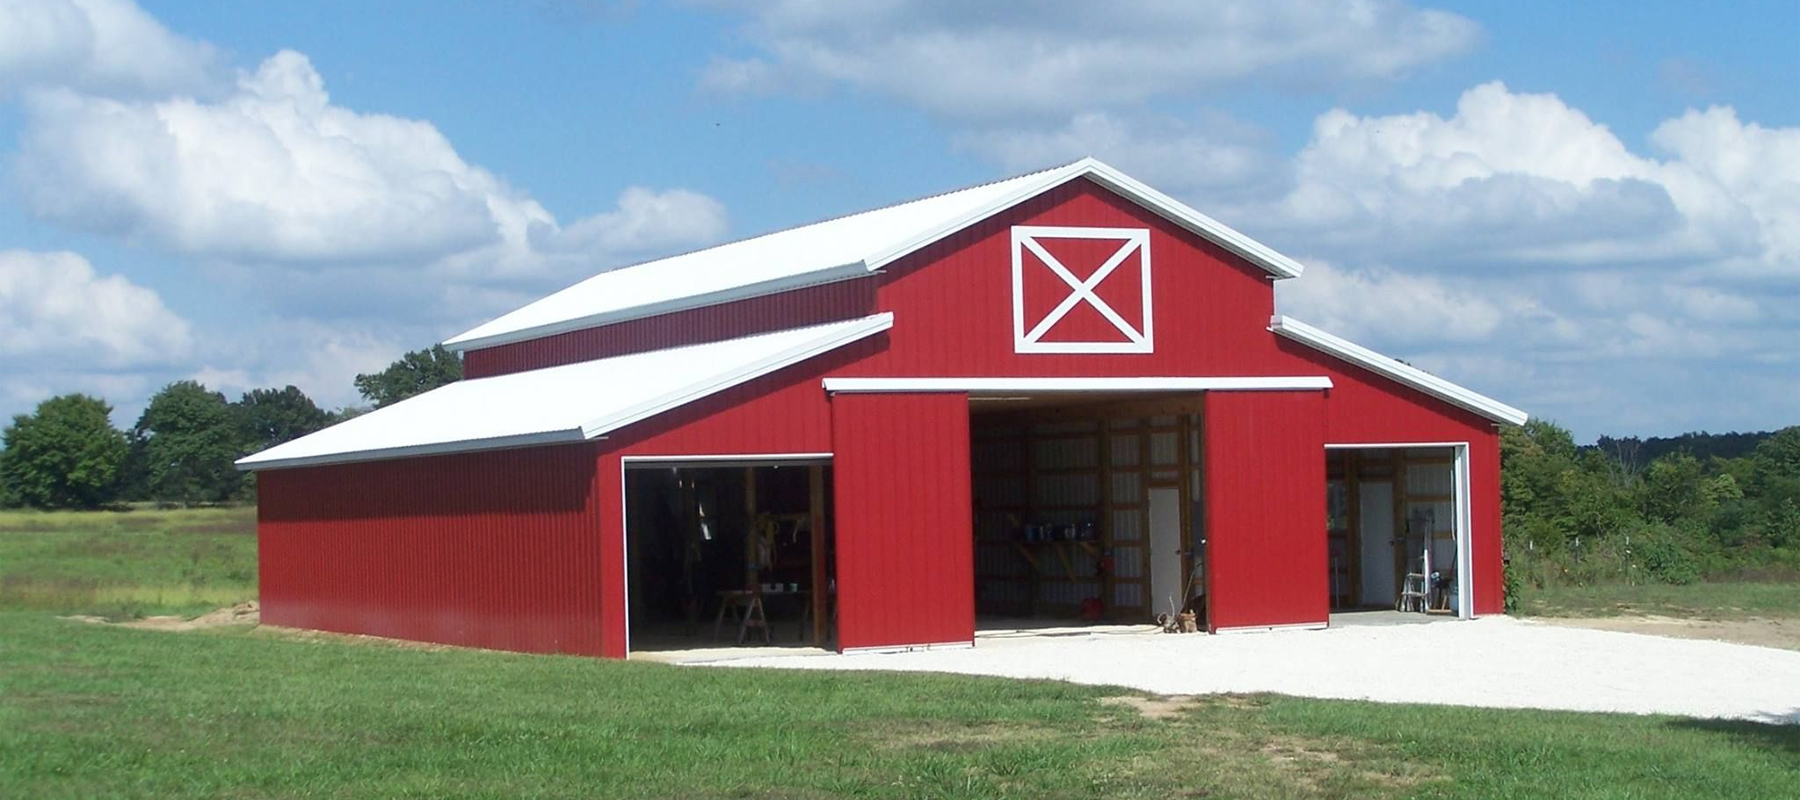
67,454
1707,505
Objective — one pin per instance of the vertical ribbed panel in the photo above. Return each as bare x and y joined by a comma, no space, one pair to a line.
813,305
498,550
1265,509
905,571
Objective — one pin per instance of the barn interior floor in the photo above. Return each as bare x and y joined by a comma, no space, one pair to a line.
1383,617
1028,627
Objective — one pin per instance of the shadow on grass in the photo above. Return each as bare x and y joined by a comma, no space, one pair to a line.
1770,735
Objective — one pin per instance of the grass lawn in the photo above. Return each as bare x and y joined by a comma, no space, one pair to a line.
127,564
88,710
94,710
1719,601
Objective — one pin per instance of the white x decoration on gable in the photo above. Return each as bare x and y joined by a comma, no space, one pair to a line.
1028,334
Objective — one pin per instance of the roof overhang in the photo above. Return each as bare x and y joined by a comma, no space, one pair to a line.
1276,264
1393,369
463,343
878,254
554,405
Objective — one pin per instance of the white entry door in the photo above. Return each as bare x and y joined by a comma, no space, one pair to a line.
1377,523
1165,551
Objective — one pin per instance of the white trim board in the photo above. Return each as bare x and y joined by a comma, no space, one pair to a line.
1027,238
727,460
1050,385
1393,369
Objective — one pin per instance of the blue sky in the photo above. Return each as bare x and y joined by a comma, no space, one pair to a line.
1591,211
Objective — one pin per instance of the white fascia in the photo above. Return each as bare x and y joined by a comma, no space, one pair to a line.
464,342
1393,369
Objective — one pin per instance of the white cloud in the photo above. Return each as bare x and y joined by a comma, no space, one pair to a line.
108,46
984,61
55,310
298,198
352,236
1526,180
321,359
1384,305
1212,155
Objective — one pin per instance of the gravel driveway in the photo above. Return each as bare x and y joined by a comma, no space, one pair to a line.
1496,662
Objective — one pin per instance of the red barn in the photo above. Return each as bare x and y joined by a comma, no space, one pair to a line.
1060,394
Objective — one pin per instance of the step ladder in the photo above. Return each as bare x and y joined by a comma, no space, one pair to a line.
1416,589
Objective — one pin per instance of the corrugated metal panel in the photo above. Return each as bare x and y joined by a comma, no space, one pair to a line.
810,306
498,550
568,403
905,567
1265,509
809,253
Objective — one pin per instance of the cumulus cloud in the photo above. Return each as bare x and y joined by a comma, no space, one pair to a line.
353,235
275,173
1525,179
108,46
981,61
1214,154
55,309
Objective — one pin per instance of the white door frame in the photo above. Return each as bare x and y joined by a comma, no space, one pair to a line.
628,463
1463,518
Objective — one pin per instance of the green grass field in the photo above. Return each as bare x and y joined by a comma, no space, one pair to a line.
95,710
127,564
1718,601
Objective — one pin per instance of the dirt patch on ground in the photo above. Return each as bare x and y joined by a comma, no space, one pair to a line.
1155,707
241,614
317,637
1783,633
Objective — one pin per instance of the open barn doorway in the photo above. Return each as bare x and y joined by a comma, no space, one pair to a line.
1087,509
1396,524
721,555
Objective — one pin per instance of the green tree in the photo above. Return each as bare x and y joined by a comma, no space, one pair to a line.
189,437
1674,488
416,372
66,454
273,416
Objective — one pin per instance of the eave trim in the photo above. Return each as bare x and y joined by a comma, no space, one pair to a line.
1390,368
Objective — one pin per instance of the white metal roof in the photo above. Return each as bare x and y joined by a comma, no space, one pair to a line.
569,403
1392,368
833,250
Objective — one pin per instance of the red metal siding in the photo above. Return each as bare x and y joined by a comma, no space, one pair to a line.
953,302
810,306
498,550
905,571
1265,509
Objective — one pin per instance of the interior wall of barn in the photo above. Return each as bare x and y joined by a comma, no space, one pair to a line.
1062,507
1383,505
